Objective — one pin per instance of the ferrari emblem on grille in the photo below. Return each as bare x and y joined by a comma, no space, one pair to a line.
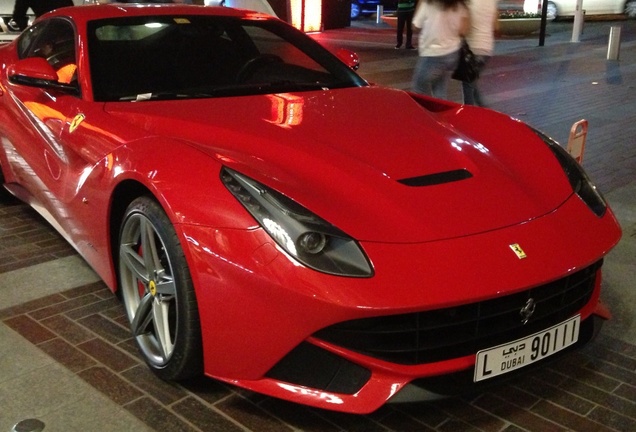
76,122
518,251
527,311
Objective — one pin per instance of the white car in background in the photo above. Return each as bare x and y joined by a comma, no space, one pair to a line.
566,8
563,8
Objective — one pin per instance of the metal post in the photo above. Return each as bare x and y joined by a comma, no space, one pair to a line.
544,21
379,13
614,45
579,16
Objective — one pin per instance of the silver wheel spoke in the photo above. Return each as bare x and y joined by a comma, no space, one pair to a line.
143,315
134,262
149,249
166,288
161,319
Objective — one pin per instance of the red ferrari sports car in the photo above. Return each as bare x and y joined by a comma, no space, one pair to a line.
205,163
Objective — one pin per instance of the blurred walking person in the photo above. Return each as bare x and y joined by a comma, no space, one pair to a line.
481,40
442,24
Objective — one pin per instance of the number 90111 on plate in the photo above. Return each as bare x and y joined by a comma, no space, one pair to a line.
522,352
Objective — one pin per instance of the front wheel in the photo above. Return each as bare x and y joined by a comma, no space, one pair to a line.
158,293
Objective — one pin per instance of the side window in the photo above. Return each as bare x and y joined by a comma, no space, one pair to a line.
27,39
53,40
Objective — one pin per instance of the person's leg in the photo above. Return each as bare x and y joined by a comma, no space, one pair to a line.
40,7
482,61
472,95
401,22
468,92
443,67
431,73
409,30
421,76
19,19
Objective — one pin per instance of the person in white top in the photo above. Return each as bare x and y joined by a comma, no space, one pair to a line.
481,40
442,24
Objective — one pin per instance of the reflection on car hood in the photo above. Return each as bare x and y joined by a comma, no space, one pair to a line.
373,161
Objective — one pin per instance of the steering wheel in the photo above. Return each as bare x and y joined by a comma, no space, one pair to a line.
57,58
255,63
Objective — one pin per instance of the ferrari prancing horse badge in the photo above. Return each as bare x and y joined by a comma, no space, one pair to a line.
518,251
76,122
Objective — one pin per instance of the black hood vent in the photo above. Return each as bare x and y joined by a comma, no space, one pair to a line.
438,178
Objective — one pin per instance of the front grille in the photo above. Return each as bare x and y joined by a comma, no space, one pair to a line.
443,334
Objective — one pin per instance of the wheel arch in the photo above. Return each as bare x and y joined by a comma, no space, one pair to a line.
123,194
167,185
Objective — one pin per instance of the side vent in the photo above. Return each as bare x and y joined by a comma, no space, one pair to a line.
438,178
310,366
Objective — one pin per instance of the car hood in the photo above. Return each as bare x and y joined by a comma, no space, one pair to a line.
378,163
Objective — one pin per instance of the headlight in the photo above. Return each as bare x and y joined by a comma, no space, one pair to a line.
308,238
581,183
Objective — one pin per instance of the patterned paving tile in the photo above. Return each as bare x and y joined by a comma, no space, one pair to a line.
592,389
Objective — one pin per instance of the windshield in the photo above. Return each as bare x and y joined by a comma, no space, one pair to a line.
171,57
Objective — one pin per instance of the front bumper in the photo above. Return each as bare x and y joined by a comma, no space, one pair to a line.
263,315
380,386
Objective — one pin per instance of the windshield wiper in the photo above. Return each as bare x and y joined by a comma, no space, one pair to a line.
155,96
295,86
227,90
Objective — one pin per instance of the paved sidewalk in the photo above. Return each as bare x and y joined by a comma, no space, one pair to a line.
67,358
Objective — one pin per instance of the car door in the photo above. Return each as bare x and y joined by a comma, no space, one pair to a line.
51,160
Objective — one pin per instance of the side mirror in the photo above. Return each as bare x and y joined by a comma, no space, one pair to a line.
37,72
350,58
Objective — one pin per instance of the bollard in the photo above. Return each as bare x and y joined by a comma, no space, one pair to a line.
379,13
576,141
614,44
578,21
577,28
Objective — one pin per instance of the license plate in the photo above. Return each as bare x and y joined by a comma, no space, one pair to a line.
522,352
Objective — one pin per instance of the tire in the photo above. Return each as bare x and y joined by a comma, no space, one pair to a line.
630,9
157,291
4,194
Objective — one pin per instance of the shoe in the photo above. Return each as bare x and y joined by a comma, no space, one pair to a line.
13,26
411,47
398,46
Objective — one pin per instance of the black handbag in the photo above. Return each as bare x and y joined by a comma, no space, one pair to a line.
467,69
